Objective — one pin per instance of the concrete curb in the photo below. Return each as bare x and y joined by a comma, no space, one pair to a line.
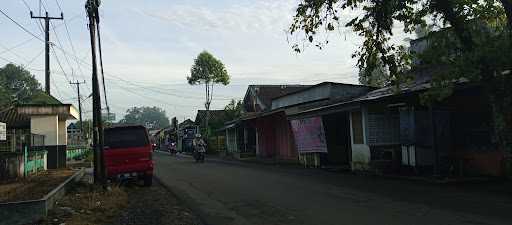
26,212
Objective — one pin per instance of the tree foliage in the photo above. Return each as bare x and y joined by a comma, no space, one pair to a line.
17,85
233,109
146,115
377,18
209,71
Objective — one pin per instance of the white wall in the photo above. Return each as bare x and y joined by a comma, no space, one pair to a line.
62,133
361,155
47,126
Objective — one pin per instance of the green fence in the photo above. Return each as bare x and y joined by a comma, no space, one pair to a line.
35,161
76,152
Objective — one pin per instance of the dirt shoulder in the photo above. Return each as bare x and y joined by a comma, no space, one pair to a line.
33,188
123,205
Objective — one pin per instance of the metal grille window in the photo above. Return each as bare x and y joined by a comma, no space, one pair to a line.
383,128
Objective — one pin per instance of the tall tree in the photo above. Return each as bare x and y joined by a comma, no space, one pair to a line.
16,84
153,116
209,71
477,45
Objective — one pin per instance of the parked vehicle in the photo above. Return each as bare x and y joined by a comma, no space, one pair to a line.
128,153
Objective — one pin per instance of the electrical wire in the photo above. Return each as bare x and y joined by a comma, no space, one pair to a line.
61,68
60,44
101,64
21,26
71,43
17,45
35,57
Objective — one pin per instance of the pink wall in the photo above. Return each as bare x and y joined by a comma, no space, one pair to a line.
275,137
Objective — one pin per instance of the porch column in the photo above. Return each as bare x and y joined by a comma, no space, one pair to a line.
257,143
245,139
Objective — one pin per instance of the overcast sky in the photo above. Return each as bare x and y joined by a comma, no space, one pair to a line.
149,47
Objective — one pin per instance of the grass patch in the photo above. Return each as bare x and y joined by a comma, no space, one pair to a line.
88,204
34,187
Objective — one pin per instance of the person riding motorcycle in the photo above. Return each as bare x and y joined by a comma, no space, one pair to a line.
199,148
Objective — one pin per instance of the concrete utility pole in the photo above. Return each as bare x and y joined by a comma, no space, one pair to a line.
77,83
47,46
91,7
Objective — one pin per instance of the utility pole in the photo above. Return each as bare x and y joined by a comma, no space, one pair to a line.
77,83
91,7
47,46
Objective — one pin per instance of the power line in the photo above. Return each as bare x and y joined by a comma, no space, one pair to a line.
101,64
17,45
12,52
60,65
35,57
60,44
21,26
71,42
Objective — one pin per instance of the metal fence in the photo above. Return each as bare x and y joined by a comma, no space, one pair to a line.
22,154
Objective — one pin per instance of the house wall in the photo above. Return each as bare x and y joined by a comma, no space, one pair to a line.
361,155
286,149
62,133
266,137
47,126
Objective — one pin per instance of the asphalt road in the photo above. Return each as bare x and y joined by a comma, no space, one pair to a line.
227,193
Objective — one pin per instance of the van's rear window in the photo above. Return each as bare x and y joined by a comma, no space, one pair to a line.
125,137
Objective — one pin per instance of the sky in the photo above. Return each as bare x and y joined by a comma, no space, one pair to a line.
149,47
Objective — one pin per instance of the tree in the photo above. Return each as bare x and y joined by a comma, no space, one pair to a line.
376,77
209,71
153,116
16,84
233,109
476,44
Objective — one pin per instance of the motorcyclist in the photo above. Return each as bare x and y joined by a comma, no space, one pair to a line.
199,148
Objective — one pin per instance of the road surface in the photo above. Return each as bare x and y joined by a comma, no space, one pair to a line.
238,194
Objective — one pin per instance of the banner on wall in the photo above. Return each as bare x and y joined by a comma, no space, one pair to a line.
3,132
309,135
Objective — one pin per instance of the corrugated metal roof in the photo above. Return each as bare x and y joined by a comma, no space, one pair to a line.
13,119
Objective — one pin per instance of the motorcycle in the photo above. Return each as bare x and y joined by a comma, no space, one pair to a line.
172,148
199,156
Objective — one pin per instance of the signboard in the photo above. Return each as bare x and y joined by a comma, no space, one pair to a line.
3,132
309,135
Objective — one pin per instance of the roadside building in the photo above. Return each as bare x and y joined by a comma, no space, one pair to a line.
313,141
241,136
392,132
36,136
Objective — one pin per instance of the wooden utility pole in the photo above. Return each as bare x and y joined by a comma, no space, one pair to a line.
91,7
77,83
47,46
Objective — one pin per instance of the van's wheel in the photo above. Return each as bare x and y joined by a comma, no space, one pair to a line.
148,180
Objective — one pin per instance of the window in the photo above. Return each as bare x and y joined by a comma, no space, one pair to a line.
357,127
125,137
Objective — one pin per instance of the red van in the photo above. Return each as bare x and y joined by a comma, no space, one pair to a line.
127,153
